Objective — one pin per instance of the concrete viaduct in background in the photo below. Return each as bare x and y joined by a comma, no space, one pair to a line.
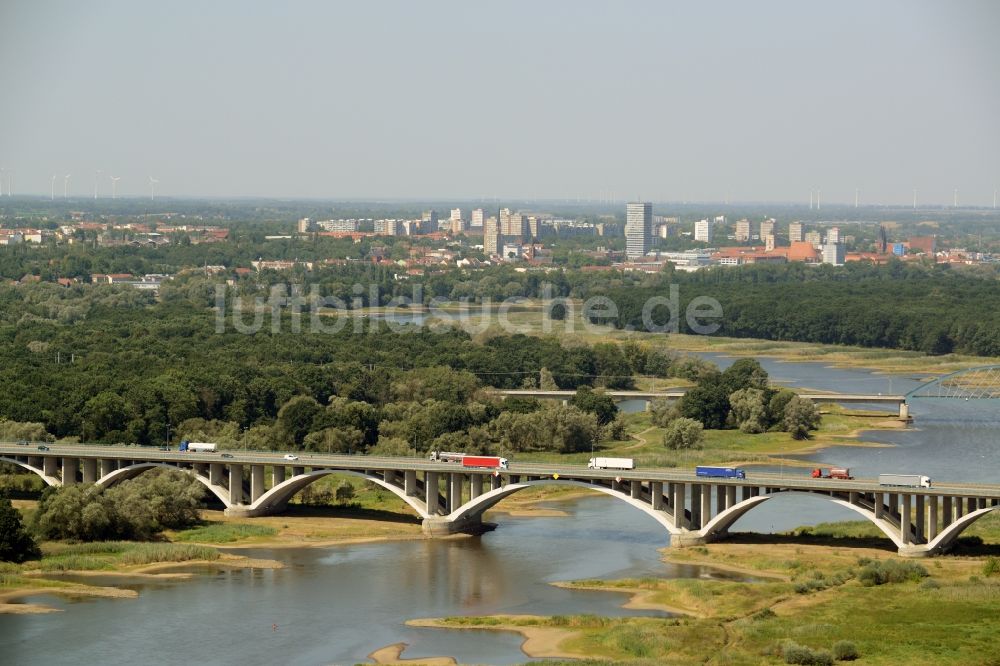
451,499
675,394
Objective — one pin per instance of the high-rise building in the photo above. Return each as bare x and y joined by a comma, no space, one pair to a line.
430,220
492,243
742,231
703,231
533,227
795,232
833,253
638,229
387,227
457,225
769,243
833,235
456,214
305,225
478,217
814,238
767,228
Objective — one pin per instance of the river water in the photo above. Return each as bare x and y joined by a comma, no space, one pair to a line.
336,605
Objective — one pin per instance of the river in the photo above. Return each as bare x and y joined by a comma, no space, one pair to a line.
336,605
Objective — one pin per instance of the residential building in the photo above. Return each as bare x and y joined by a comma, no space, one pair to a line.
638,229
492,239
769,243
833,235
767,228
478,217
814,238
742,231
795,232
387,227
456,214
703,231
305,225
833,253
338,225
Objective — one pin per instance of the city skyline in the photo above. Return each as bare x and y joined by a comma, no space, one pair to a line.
776,102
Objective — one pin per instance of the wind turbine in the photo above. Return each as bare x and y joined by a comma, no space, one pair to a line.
954,201
96,175
152,182
114,186
52,190
857,193
914,198
66,183
1,180
817,198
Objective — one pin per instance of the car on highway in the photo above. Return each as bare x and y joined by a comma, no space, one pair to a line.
42,447
227,455
22,442
289,456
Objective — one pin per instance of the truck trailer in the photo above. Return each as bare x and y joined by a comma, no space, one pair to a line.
493,462
905,480
722,472
198,447
834,473
611,463
447,456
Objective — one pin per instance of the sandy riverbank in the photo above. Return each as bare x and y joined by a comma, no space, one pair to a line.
539,641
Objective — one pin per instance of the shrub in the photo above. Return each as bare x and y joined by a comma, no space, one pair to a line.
16,545
683,433
794,653
845,651
890,571
991,567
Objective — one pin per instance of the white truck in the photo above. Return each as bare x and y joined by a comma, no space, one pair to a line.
905,480
611,463
198,447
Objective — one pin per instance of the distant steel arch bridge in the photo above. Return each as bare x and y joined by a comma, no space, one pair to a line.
981,383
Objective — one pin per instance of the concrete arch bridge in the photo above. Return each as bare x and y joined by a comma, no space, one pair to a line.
451,499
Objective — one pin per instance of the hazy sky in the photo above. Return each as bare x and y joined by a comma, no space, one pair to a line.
754,101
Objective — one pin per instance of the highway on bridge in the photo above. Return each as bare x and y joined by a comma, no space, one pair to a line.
539,469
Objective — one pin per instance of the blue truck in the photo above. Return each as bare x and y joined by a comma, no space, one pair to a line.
721,472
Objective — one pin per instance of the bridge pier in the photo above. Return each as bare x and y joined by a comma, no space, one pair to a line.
69,469
439,526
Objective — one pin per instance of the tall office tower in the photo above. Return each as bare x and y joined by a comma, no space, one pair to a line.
703,231
638,229
795,232
478,217
456,214
430,220
767,228
833,235
742,231
458,225
492,243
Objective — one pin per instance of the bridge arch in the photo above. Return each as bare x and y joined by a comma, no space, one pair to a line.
474,509
724,520
125,473
49,480
947,537
277,497
985,384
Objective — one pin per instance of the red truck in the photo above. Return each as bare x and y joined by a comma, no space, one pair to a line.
493,462
835,473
